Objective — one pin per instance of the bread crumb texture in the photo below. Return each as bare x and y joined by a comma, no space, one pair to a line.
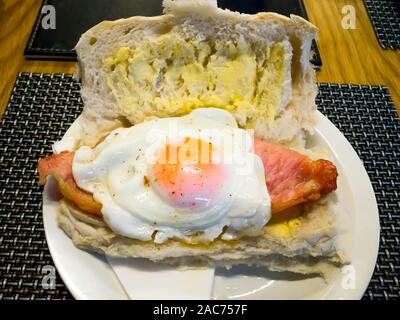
173,76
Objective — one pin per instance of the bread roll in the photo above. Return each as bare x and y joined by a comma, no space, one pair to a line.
198,55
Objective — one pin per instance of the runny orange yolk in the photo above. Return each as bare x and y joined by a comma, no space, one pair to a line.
186,175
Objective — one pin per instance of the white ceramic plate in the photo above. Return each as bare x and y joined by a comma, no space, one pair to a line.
89,276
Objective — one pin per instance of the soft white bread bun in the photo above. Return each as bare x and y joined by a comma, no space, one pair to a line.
197,55
300,242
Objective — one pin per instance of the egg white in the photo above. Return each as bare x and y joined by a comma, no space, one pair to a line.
115,171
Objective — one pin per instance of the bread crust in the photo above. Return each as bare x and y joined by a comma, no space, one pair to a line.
308,251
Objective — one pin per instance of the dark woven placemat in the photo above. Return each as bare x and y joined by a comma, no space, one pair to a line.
43,106
385,17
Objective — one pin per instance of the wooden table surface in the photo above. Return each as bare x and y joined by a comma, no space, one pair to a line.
349,56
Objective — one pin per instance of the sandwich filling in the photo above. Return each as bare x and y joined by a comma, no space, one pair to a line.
174,75
184,197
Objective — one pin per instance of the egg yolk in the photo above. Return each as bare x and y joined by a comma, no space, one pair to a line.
186,175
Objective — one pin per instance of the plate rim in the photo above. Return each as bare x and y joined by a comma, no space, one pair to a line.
370,201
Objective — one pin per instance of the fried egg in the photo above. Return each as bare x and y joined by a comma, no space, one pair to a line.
193,178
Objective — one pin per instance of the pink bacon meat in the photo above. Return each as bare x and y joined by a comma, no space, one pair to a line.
292,178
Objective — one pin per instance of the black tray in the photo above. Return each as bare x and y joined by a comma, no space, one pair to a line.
43,106
74,17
